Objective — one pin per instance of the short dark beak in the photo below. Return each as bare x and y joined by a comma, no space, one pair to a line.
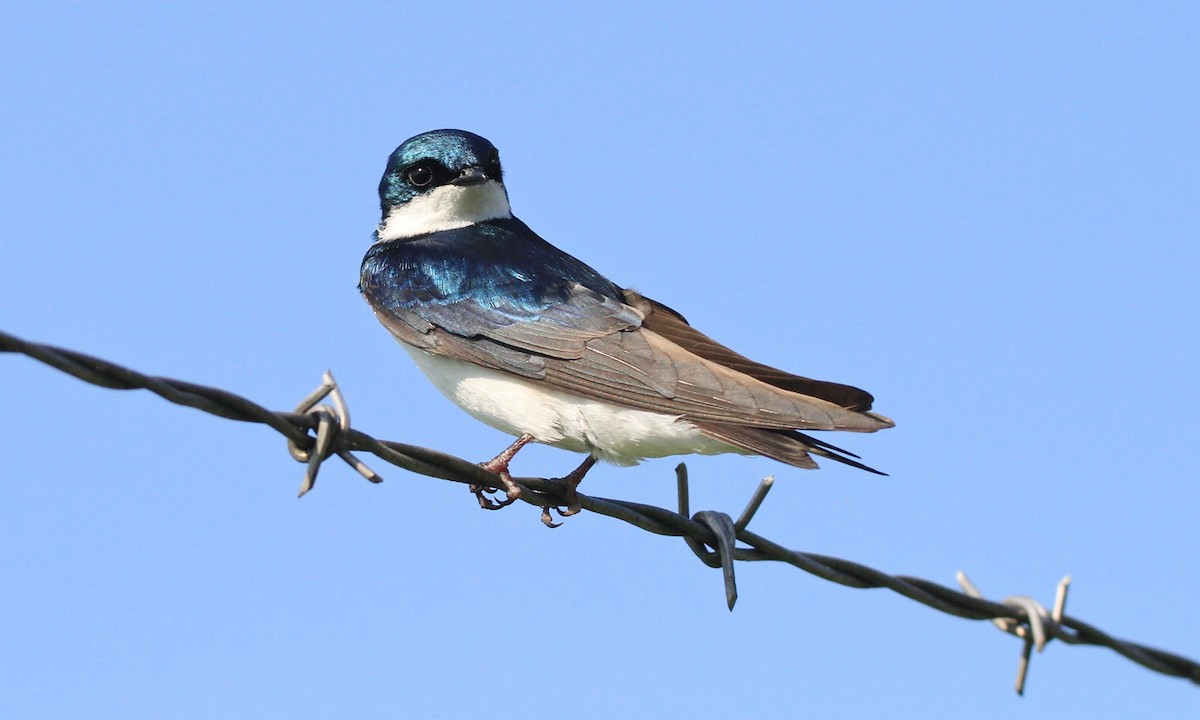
471,176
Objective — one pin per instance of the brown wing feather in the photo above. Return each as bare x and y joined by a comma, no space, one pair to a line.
671,325
643,370
639,368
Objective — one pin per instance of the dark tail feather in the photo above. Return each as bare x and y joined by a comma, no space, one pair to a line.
833,452
786,446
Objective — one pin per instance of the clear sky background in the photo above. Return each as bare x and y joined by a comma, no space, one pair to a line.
986,217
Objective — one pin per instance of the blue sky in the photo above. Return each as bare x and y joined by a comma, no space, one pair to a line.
985,216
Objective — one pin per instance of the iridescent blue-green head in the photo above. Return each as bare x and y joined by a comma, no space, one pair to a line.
441,180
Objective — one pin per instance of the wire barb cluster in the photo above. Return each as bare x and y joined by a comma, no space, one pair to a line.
316,432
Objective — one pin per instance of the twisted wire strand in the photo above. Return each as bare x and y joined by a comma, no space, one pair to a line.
1012,615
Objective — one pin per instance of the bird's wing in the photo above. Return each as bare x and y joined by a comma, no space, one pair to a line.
671,325
615,368
596,347
528,343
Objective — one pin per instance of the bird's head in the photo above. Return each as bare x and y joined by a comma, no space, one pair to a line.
441,180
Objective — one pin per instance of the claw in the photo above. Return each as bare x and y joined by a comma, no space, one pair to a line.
483,494
499,465
547,519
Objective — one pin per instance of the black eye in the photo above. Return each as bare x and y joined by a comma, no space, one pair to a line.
419,175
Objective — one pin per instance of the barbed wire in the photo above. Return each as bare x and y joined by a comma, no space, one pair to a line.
317,431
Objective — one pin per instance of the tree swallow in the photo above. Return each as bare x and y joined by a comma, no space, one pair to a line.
537,344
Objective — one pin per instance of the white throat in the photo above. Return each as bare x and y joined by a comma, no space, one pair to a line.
446,208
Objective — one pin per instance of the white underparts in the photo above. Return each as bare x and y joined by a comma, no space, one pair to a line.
515,405
446,208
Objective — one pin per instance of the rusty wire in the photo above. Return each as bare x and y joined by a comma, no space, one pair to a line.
316,432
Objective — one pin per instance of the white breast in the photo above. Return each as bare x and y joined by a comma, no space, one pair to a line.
515,405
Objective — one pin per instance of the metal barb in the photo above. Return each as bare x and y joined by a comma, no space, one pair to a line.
723,529
1060,599
681,486
310,401
319,450
756,500
339,400
722,526
330,422
1039,628
1034,634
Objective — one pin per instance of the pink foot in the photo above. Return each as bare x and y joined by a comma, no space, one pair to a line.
499,465
571,480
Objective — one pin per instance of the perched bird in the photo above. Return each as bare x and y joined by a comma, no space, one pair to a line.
537,344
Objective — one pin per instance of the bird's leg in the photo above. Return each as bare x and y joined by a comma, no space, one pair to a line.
571,480
499,465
